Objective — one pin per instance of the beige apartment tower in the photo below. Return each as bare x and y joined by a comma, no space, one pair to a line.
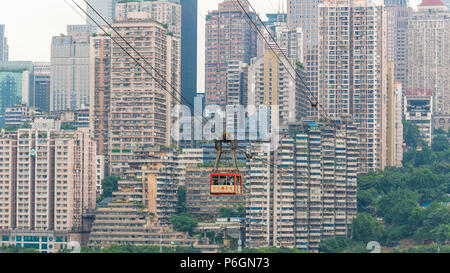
394,125
429,54
140,110
353,67
48,180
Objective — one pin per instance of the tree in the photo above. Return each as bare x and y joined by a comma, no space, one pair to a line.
334,245
366,228
109,185
68,127
182,199
440,143
183,222
412,135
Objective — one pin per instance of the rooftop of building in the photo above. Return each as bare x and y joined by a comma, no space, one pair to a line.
431,3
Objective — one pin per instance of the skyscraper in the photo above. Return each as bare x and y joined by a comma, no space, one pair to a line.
166,12
16,84
106,8
429,54
140,108
49,181
100,87
313,197
69,87
189,16
352,65
270,83
41,86
398,12
394,125
229,37
3,45
305,14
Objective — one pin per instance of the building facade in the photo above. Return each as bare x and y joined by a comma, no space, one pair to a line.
305,14
229,37
69,85
100,86
18,115
419,110
275,83
429,53
140,107
394,119
166,12
353,72
398,12
16,85
3,45
41,94
106,8
311,196
189,22
49,181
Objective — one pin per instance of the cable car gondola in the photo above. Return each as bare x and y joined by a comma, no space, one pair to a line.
226,182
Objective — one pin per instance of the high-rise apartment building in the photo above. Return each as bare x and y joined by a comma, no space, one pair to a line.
4,50
272,82
100,87
106,8
166,12
419,110
352,64
41,94
398,12
429,53
312,196
48,182
69,86
140,107
305,14
189,22
16,85
161,177
394,119
229,37
18,115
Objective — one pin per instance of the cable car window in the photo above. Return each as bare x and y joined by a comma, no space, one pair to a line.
215,180
223,180
230,180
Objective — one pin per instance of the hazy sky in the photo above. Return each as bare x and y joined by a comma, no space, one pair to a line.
30,25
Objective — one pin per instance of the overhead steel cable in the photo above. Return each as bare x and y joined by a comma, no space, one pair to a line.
173,88
143,67
315,104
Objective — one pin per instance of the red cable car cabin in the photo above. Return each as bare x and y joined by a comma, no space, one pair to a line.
226,184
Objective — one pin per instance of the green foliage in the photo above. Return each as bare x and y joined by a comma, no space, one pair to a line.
16,249
182,199
411,133
183,222
366,228
68,127
140,249
109,185
440,143
272,250
232,212
341,245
